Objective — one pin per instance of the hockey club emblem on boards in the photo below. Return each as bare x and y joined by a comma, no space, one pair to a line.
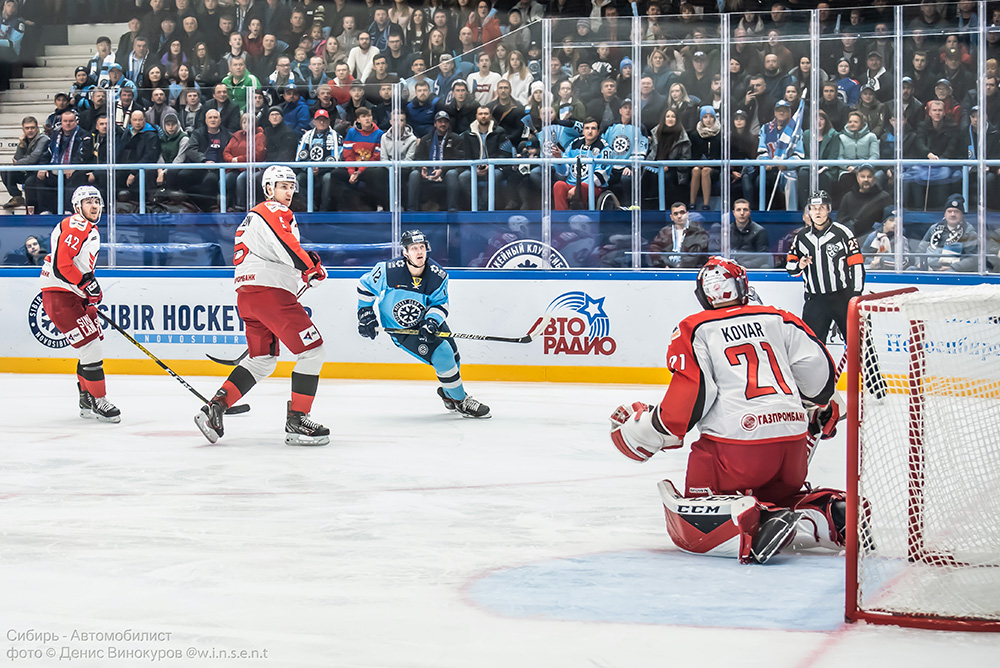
42,328
527,254
579,326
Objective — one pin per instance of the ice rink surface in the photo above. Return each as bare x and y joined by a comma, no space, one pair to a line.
415,539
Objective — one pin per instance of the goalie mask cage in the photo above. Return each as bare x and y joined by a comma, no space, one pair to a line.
923,532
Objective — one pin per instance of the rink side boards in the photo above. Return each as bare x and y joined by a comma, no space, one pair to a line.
608,327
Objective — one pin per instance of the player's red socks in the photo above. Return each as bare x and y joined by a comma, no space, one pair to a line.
302,403
233,393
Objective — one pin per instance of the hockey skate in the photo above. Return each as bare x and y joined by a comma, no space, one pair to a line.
471,408
98,408
449,403
300,429
777,529
209,418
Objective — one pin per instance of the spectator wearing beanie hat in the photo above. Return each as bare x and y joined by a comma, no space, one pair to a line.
624,78
706,144
952,244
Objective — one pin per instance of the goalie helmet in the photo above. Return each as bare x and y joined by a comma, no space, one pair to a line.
275,174
86,192
411,237
721,281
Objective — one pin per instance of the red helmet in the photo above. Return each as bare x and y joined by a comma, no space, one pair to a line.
721,281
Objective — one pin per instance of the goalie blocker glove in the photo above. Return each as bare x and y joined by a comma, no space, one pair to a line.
367,322
91,288
823,419
635,436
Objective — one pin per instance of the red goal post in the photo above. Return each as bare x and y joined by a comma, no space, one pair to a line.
923,460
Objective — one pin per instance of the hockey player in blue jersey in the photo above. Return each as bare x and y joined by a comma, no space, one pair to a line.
412,293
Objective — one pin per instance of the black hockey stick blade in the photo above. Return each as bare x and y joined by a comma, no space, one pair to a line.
235,362
238,409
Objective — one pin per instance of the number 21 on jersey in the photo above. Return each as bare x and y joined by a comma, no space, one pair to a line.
746,355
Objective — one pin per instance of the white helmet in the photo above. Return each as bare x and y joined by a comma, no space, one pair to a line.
275,174
86,192
721,281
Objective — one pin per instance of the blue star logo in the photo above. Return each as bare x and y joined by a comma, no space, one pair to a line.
594,308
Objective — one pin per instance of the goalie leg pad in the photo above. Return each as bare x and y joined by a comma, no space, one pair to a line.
634,435
716,526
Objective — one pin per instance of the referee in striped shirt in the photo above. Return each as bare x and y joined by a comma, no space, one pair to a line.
829,258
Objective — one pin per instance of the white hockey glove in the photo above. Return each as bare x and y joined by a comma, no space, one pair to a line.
823,419
634,435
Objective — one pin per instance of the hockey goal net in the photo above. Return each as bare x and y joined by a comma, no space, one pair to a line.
923,538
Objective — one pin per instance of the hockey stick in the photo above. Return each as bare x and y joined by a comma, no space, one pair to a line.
234,410
536,330
236,362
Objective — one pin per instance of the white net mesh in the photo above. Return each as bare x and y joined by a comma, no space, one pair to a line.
929,452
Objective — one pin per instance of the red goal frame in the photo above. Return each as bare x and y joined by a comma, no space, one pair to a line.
915,549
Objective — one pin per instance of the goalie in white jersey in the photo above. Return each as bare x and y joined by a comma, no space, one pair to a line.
743,374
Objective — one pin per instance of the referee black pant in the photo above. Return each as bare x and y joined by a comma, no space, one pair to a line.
822,309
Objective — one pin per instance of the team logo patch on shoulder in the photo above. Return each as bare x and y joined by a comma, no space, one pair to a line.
42,328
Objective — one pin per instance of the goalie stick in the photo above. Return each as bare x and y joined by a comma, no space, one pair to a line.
234,410
536,330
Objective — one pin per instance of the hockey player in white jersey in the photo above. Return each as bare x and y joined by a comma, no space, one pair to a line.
412,292
741,373
271,267
71,293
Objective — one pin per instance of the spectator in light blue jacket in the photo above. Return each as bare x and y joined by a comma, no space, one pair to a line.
574,177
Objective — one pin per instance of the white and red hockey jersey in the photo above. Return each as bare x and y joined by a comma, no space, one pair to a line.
741,373
75,245
267,250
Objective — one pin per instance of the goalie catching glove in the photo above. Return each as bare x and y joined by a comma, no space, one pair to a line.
635,436
316,273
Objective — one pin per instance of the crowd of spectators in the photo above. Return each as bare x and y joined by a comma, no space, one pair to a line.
323,74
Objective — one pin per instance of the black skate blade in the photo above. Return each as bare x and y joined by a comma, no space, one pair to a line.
238,409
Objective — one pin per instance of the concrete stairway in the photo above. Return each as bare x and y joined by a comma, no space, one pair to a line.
32,94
